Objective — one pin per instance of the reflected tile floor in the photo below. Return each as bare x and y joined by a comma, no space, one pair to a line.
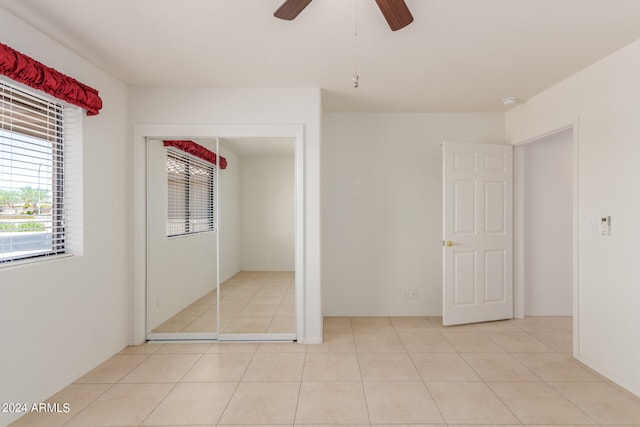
250,302
369,371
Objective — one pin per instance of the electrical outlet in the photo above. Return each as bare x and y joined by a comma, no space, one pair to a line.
410,293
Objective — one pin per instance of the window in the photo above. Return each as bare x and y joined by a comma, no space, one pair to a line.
190,194
32,217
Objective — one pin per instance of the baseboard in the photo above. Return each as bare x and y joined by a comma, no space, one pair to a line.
549,313
631,388
312,340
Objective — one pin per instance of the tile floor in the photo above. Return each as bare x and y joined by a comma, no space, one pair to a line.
250,301
369,371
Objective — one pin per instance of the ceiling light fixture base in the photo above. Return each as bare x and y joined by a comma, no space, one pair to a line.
511,100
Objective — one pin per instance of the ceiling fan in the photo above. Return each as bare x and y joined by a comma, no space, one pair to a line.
395,12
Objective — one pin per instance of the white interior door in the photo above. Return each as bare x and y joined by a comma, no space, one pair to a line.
477,232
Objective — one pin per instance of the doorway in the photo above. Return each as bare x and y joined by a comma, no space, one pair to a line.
544,227
547,215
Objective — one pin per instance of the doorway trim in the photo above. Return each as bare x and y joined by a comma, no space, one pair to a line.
141,133
519,225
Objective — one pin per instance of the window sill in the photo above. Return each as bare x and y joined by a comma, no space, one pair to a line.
34,260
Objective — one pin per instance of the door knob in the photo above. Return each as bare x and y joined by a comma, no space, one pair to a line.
450,243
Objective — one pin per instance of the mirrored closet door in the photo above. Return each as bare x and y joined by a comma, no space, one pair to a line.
257,239
221,239
182,266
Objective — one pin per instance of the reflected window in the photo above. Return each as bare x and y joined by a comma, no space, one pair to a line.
190,194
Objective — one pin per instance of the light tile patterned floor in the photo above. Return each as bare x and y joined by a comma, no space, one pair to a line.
369,371
250,302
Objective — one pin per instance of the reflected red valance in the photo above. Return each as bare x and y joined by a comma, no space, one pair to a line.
196,150
30,72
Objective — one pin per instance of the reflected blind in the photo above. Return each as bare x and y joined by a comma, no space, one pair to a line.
190,194
32,219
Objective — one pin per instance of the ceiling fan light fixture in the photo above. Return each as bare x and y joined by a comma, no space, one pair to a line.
290,9
395,12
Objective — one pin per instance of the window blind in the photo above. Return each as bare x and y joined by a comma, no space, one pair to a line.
32,218
190,194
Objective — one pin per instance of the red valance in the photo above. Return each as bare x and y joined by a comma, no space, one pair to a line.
196,150
30,72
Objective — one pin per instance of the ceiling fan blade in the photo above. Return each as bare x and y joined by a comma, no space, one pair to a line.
290,9
396,13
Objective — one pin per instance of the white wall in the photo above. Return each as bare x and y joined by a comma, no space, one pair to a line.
267,208
199,107
601,100
548,232
180,269
50,310
382,208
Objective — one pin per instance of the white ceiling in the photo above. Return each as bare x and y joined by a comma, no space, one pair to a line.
260,146
457,55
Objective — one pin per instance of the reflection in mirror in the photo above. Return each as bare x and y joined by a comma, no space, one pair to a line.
258,302
257,236
181,243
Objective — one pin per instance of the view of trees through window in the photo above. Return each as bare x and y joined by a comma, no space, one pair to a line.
31,220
